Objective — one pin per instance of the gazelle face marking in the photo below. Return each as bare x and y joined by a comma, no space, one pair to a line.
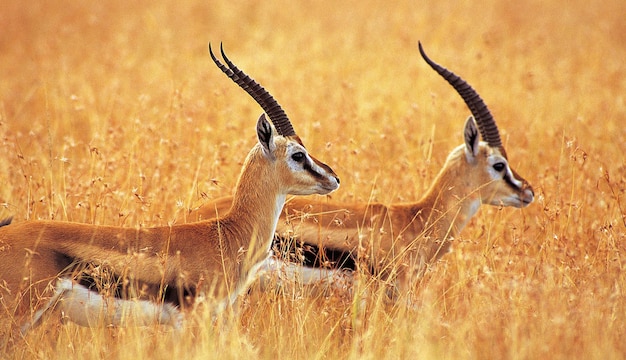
297,156
509,190
308,169
498,168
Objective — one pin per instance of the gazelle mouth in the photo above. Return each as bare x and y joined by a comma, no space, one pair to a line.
330,185
520,202
527,201
327,189
527,198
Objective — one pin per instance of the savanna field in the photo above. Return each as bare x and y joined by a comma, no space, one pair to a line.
114,114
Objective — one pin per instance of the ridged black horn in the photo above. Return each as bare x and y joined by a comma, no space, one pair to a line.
486,124
267,102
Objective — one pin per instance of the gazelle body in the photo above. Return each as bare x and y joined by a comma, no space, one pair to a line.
397,241
157,271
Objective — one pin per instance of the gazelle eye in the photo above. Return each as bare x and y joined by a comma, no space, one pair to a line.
499,166
298,157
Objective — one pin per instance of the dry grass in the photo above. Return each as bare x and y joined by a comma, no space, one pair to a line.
114,114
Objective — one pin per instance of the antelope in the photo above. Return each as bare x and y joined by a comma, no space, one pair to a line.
400,240
172,266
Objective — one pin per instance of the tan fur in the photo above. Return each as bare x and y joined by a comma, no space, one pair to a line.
216,258
401,239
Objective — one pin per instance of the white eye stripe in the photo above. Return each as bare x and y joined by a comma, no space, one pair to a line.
498,166
296,165
299,164
303,163
510,178
306,164
515,181
508,173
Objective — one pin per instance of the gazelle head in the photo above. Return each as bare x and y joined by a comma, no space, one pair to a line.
298,171
307,175
499,184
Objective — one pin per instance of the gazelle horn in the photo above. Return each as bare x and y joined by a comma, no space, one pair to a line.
486,124
267,102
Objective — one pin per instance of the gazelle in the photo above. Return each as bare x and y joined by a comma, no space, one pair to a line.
63,264
398,241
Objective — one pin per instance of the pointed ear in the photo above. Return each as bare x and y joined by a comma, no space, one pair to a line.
471,139
265,133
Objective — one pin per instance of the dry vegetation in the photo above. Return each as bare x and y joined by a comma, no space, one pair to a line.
114,114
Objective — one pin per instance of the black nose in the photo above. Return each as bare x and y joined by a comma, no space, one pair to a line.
336,178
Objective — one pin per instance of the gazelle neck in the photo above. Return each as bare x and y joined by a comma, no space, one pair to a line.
452,199
258,200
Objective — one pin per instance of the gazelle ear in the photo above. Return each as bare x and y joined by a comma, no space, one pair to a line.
471,139
265,133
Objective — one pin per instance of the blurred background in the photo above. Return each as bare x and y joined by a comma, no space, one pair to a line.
113,113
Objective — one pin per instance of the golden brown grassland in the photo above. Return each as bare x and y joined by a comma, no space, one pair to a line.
114,114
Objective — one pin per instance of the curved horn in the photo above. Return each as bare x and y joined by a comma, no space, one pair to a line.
486,124
267,102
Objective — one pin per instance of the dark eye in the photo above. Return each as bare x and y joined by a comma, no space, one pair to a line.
298,157
499,166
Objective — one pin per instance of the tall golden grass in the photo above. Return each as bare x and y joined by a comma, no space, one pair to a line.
113,113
